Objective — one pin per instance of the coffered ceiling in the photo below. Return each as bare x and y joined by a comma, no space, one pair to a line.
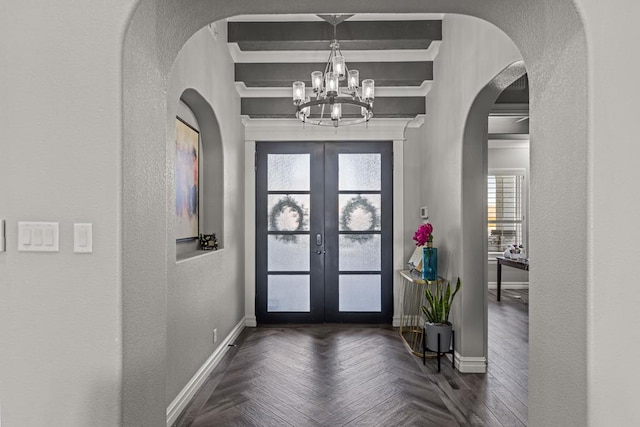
396,50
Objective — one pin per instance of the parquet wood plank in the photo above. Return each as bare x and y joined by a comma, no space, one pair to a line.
362,375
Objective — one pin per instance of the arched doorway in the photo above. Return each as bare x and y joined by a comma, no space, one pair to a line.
558,80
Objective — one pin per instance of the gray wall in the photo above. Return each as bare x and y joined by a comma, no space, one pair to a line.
60,160
458,79
412,188
207,291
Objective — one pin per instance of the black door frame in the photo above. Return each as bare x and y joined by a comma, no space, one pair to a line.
324,267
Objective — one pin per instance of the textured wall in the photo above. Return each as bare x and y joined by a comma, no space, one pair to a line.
462,69
412,184
60,161
614,206
60,314
206,292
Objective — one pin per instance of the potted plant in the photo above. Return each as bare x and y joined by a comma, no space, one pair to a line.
439,299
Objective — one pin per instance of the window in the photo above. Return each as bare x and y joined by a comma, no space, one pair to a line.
506,201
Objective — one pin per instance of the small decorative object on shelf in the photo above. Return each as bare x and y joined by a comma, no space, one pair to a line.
208,242
429,262
424,237
515,252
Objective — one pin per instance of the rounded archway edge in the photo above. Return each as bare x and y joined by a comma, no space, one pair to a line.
155,35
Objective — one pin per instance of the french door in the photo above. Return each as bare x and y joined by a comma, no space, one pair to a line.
324,218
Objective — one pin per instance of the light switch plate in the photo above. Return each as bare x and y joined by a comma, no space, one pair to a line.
82,238
38,236
424,212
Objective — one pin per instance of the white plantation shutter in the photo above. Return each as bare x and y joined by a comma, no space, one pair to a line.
505,213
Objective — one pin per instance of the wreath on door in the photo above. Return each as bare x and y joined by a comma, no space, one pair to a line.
287,203
346,218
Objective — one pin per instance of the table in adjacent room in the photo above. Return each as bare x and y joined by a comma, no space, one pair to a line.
522,264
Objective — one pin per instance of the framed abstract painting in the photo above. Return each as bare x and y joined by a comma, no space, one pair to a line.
187,181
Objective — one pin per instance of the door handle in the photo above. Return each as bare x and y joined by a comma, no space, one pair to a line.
319,252
319,239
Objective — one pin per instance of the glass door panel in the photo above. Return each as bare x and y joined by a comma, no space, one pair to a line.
289,274
358,221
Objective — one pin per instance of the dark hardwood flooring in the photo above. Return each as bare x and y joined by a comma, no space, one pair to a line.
355,375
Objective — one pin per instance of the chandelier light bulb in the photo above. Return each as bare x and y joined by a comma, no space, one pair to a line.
338,66
331,83
298,92
368,89
354,79
336,112
316,80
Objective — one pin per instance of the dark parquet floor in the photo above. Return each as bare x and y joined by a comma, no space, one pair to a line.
346,375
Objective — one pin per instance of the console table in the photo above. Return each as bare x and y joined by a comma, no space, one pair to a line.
522,264
411,317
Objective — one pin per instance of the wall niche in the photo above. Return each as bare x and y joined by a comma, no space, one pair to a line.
197,113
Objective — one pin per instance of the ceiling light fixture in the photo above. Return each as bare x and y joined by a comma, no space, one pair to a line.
329,97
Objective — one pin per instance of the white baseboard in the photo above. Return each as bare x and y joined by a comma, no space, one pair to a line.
184,397
395,322
509,285
251,322
471,365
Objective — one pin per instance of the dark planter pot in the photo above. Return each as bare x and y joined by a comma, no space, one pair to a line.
433,329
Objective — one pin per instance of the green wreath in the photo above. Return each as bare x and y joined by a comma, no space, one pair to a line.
278,209
359,202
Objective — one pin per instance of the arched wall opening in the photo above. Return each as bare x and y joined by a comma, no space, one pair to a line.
551,39
211,171
474,190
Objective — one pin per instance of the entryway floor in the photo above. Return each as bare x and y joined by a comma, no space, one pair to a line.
359,375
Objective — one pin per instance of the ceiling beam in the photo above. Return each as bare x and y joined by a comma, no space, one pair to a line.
361,35
295,56
285,92
384,107
384,73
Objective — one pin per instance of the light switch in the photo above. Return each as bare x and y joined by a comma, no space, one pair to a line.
83,238
25,236
48,237
38,236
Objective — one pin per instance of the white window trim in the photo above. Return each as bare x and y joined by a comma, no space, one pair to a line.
525,204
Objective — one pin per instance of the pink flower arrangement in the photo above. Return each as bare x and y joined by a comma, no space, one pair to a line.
423,234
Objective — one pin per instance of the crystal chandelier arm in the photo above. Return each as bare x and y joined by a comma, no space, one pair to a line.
326,67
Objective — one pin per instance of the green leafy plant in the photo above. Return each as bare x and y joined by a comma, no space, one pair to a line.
439,300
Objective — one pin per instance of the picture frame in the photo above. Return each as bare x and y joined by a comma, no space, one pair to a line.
187,180
415,262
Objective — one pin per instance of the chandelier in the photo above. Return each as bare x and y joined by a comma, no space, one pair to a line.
327,95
